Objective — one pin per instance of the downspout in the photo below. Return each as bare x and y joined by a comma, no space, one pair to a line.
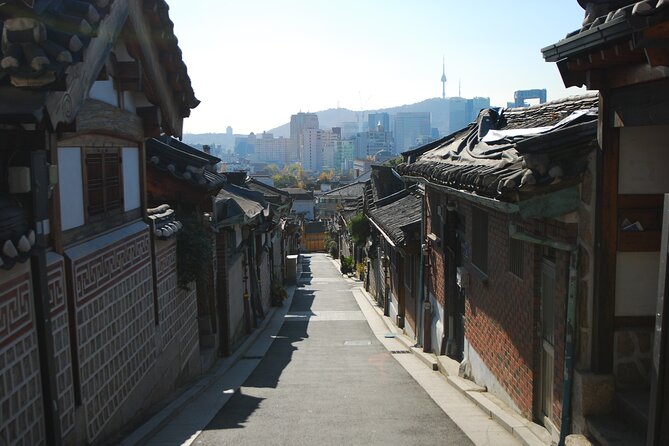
565,420
421,276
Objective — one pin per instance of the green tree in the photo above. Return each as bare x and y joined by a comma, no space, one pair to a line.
359,229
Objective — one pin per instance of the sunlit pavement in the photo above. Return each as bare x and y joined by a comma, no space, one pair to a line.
323,371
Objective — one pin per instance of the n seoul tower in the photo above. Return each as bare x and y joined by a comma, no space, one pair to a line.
443,78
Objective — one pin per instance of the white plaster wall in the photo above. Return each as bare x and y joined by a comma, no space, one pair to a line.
131,195
482,375
104,91
393,309
304,206
636,283
70,183
129,102
644,155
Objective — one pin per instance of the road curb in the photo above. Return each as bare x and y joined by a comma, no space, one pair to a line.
158,421
528,433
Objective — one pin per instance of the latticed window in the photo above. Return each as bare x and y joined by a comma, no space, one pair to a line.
480,239
104,194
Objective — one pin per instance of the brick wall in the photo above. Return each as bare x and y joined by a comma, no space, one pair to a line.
166,284
502,310
113,298
61,341
21,410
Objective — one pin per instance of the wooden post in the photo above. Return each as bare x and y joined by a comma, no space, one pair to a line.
40,200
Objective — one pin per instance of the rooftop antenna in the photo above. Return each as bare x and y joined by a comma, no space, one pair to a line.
443,77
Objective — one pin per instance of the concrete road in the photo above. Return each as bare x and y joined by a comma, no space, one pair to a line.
326,379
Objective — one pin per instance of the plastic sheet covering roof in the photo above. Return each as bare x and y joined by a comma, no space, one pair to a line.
235,205
396,213
506,154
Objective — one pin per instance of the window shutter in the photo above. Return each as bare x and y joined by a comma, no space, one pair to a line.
95,183
112,172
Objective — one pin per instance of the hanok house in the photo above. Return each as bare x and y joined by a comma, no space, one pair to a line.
186,179
281,236
621,50
506,219
395,257
82,85
241,221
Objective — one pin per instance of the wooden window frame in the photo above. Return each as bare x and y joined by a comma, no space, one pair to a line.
107,209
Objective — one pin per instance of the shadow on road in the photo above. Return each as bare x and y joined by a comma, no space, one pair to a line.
268,372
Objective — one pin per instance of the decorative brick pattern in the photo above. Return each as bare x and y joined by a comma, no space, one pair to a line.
21,410
188,322
115,325
61,343
168,306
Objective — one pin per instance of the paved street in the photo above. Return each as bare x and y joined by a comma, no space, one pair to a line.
327,380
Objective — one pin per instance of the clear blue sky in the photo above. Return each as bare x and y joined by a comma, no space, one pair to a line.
253,63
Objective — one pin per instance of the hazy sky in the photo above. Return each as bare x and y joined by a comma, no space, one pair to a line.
253,63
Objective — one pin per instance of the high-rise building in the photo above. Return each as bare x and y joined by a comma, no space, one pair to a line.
331,144
376,119
410,127
312,149
270,149
298,123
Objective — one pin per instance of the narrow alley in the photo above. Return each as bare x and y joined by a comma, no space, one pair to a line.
327,379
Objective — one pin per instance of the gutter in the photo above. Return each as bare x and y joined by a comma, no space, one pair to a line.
385,236
570,321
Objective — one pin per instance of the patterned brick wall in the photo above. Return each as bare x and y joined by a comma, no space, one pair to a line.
115,323
188,333
21,410
168,305
61,340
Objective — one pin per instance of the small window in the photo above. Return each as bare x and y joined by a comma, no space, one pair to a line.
104,194
516,257
480,239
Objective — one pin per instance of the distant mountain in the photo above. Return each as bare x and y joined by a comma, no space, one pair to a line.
333,117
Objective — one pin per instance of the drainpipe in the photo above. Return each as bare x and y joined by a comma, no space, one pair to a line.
421,276
570,323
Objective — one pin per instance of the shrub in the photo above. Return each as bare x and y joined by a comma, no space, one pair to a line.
194,252
360,269
358,227
347,264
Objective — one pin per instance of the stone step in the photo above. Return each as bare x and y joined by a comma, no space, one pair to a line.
632,406
611,430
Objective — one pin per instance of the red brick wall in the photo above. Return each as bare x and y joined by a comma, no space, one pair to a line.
502,311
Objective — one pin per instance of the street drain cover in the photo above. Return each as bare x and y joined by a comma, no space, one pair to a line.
360,342
389,335
398,352
252,357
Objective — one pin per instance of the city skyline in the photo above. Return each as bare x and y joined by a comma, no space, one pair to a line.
273,60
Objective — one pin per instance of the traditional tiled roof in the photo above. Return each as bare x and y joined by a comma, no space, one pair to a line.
43,39
16,238
618,21
271,194
507,153
398,213
351,190
164,224
298,193
315,227
184,162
